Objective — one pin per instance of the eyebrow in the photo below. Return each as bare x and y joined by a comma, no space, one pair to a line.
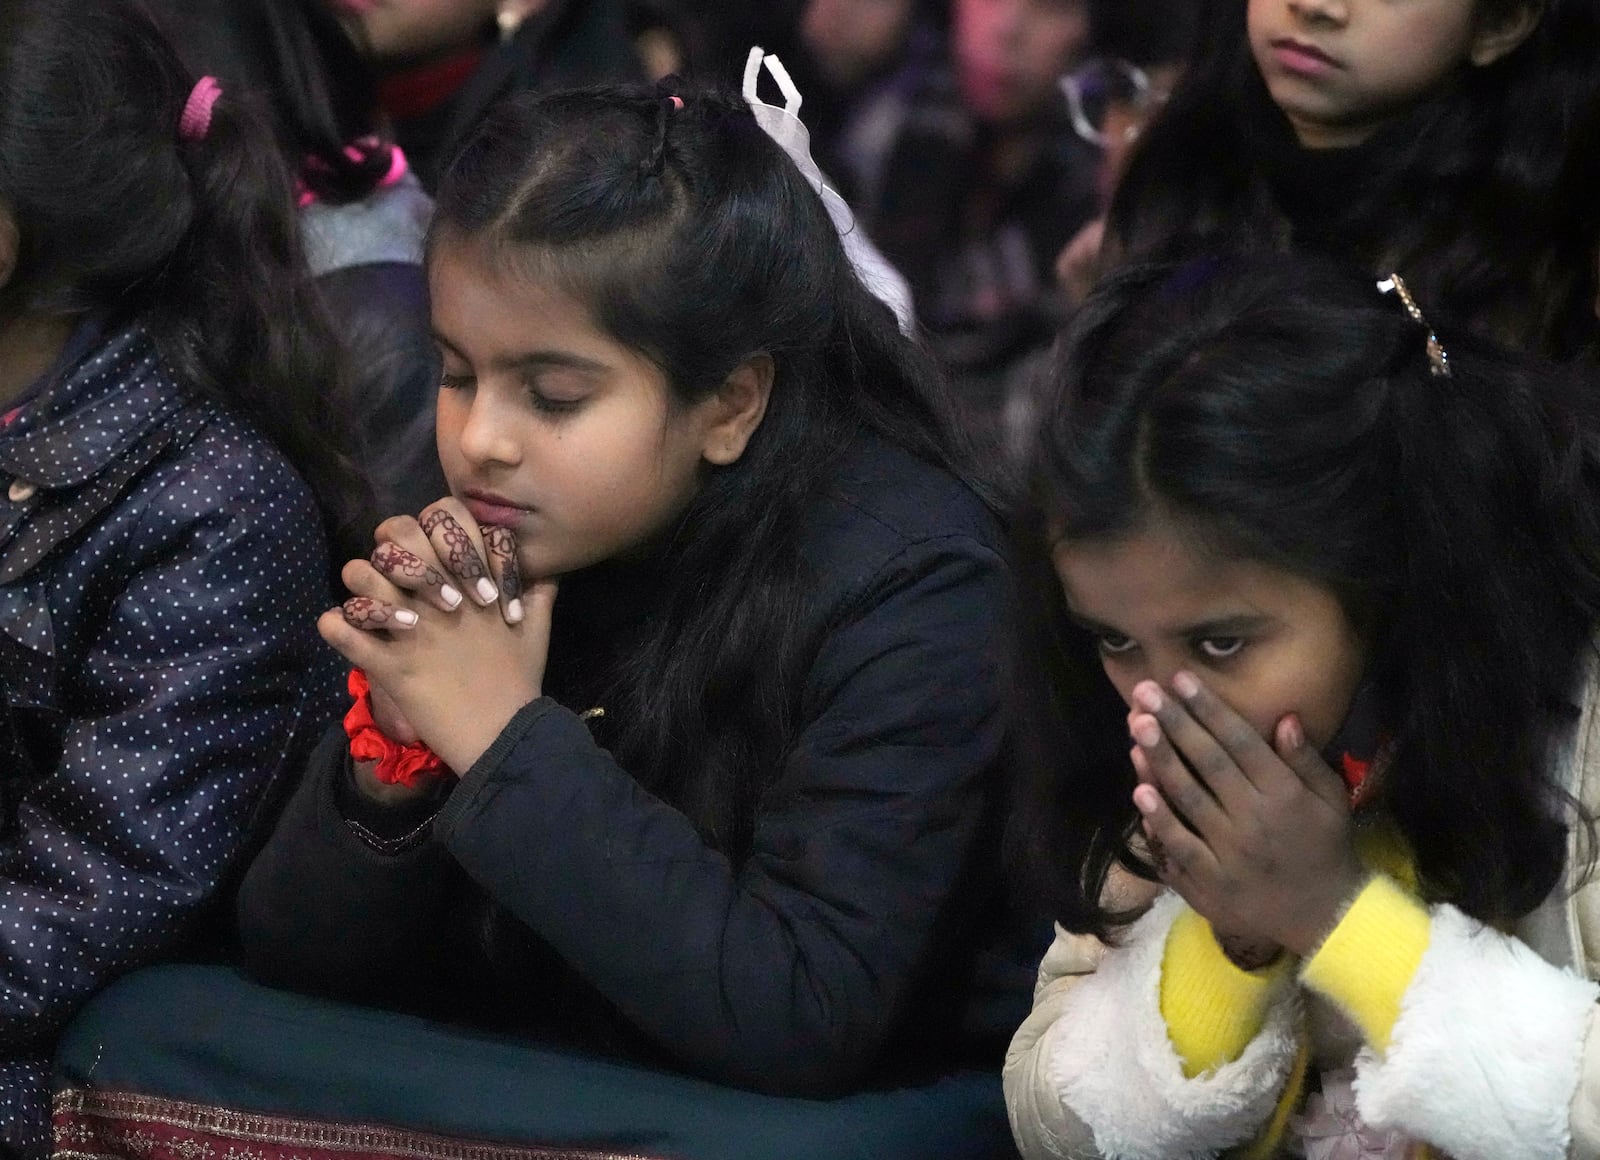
1221,626
533,359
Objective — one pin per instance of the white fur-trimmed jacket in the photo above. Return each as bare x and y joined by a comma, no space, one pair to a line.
1493,1056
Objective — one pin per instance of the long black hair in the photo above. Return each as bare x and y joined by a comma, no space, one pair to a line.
694,240
1487,193
1285,411
306,71
197,240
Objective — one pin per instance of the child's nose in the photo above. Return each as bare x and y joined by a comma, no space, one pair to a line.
1161,668
486,436
1320,11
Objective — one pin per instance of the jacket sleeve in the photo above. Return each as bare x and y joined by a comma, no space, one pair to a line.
182,707
1585,1121
1479,1047
380,907
787,973
1093,1071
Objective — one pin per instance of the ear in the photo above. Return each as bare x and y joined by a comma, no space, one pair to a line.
1498,39
736,410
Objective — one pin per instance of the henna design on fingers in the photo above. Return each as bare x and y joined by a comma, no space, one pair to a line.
370,615
502,545
460,556
392,560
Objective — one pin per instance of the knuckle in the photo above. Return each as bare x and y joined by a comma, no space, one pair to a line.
1238,737
1211,766
1252,840
396,527
1284,801
1190,799
1180,857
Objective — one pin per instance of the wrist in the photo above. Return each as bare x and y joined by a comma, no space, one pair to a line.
385,793
462,741
1249,953
1367,960
388,761
1304,938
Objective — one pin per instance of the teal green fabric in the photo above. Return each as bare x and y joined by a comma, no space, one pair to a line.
206,1034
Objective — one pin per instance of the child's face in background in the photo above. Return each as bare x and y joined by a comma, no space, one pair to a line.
1010,54
549,426
852,39
1266,641
1340,68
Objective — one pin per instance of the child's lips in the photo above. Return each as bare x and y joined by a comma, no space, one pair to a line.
496,511
1299,57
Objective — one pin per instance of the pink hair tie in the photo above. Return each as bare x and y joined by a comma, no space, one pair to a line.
196,120
394,175
677,102
368,146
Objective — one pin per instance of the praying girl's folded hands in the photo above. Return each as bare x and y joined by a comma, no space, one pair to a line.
1257,837
444,556
428,656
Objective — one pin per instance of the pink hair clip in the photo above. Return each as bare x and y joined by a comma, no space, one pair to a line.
677,102
196,120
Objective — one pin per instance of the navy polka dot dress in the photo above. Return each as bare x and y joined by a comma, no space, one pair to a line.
161,568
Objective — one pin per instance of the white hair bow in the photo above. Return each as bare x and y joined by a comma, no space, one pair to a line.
785,127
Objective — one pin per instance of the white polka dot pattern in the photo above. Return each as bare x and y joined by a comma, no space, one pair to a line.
159,668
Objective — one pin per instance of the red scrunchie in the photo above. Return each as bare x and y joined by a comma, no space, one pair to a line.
397,764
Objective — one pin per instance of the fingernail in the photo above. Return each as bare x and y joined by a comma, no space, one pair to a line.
1185,685
1147,733
486,590
1290,733
451,596
406,618
514,612
1149,696
1145,799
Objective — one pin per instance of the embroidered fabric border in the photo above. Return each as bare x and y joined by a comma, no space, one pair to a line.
391,845
95,1125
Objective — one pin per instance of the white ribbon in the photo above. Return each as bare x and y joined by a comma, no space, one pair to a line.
785,127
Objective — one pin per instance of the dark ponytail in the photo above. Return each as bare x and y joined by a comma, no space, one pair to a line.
1284,410
1497,501
315,86
195,239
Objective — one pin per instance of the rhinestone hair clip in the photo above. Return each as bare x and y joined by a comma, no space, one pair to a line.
1394,284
